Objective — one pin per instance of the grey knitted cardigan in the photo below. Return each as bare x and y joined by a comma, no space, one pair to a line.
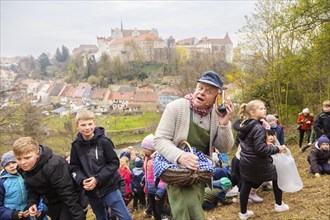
174,127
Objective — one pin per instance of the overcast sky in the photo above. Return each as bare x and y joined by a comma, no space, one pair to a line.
33,27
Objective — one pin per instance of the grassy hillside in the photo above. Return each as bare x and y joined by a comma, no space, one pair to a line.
312,202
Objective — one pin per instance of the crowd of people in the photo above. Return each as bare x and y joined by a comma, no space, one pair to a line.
36,183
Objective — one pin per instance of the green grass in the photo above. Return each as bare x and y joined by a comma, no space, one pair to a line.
118,123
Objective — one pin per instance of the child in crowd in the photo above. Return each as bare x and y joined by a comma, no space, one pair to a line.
138,184
126,175
217,194
321,125
271,119
319,156
134,155
126,152
322,121
155,189
13,195
255,162
278,122
48,176
271,141
94,164
235,171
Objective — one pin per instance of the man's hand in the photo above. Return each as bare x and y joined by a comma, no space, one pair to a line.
224,119
188,160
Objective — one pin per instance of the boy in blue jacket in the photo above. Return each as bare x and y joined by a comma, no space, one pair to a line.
95,164
13,195
138,184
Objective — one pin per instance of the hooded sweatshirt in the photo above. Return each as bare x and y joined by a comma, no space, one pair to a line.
95,158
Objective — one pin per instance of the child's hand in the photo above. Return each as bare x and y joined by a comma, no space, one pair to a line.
33,210
89,183
282,149
270,144
26,213
317,174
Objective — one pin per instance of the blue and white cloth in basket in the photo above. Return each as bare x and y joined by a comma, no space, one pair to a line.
161,164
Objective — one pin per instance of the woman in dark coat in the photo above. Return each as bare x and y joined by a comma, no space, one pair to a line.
256,164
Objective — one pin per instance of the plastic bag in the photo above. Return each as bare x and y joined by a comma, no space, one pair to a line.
288,178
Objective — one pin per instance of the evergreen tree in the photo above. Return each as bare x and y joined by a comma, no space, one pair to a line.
44,62
58,55
65,53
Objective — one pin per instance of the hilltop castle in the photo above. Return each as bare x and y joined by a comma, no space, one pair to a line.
147,45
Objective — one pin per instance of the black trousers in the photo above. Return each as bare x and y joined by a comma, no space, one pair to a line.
156,206
301,136
245,191
139,197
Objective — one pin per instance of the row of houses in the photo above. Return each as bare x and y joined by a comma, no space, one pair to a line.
68,97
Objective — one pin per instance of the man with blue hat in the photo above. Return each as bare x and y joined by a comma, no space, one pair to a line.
195,120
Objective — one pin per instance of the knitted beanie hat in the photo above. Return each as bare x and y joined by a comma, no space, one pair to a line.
225,183
138,162
305,110
148,142
7,157
323,139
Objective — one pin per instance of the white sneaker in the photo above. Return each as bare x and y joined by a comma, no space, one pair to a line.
281,208
246,215
255,198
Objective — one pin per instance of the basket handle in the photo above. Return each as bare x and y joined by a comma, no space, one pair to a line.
187,144
191,151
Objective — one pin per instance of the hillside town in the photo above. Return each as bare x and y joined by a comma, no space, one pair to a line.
61,98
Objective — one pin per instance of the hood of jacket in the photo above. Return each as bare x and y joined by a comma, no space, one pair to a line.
246,127
5,174
98,132
137,171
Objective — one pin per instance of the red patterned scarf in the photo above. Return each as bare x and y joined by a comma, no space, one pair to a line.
202,112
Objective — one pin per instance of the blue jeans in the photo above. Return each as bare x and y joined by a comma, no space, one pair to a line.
115,201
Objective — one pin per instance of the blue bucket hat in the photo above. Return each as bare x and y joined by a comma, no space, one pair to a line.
211,78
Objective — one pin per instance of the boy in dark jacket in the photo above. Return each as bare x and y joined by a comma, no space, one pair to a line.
319,156
47,175
322,121
94,165
321,125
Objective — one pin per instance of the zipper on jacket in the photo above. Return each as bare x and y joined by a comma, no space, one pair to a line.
96,155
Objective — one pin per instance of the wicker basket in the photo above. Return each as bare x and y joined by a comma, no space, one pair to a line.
185,177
